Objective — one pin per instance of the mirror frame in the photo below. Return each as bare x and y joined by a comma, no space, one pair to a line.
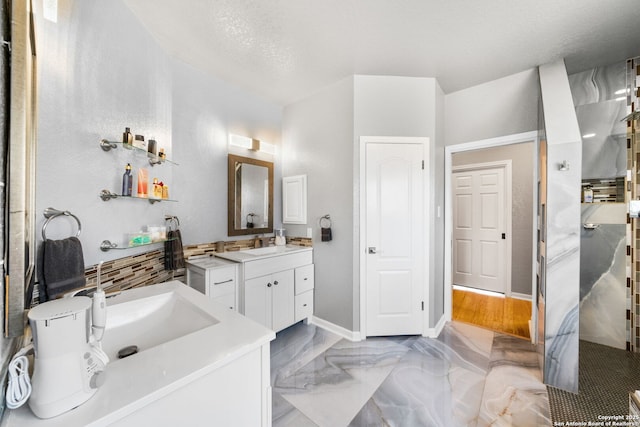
231,196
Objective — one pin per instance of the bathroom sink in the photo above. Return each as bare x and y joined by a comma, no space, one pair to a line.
150,316
263,251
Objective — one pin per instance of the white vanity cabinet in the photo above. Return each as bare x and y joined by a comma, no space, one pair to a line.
269,300
216,278
304,285
275,286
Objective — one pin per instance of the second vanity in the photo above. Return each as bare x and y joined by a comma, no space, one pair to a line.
274,285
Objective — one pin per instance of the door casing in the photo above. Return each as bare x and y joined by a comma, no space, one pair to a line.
531,136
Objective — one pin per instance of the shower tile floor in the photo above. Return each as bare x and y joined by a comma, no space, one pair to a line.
468,376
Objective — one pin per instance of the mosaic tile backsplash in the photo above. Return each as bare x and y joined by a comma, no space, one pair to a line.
148,268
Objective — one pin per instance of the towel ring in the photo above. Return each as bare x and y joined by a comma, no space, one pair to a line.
325,221
51,213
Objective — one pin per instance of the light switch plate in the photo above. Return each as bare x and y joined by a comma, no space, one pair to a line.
309,232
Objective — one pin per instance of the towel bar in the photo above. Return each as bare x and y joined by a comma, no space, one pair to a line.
51,213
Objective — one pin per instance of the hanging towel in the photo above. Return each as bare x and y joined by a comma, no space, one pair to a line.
326,234
173,254
61,267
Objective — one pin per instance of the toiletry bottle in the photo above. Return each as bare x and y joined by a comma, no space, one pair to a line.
161,153
152,147
127,138
157,189
127,181
588,195
142,182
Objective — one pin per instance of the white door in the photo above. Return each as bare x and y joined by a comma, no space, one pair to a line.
395,238
479,232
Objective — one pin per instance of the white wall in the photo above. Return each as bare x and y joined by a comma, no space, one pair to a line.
99,71
317,135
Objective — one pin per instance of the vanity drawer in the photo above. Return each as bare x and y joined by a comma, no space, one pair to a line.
304,278
224,274
228,301
304,305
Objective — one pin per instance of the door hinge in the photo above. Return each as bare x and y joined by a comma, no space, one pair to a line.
423,165
422,305
504,236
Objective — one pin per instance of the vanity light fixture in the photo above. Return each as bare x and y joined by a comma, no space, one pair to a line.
251,144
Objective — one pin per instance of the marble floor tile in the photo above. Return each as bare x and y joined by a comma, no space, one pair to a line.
468,376
295,347
332,388
514,394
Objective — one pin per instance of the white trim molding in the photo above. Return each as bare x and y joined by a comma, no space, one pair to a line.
531,136
353,336
435,331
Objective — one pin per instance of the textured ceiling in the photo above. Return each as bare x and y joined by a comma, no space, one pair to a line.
285,50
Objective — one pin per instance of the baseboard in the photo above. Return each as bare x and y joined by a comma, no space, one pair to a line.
435,331
517,295
338,330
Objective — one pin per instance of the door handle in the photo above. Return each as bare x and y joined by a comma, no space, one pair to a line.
372,250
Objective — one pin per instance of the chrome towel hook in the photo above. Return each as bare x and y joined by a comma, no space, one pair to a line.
51,213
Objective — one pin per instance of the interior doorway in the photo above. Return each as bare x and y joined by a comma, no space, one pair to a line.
495,311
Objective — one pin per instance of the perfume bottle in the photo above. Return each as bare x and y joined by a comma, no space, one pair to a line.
127,181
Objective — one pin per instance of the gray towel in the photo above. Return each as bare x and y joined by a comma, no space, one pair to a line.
61,267
173,253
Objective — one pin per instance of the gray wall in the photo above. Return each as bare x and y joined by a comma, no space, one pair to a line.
522,202
101,71
404,106
321,137
497,108
317,135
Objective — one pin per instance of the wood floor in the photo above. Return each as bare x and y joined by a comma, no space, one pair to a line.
508,315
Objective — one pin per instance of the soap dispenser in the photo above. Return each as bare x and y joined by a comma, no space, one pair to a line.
127,181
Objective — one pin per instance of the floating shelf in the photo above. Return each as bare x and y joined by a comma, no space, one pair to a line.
107,245
154,159
107,195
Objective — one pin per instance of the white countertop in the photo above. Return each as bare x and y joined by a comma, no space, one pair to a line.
246,255
138,380
209,262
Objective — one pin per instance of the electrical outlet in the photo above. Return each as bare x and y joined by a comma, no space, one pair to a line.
309,232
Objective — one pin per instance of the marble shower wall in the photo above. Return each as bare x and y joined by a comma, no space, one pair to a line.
599,111
562,246
603,295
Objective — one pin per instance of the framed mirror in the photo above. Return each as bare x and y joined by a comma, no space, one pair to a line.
250,196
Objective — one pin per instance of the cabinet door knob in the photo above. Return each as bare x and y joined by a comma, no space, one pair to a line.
275,282
269,285
304,305
305,278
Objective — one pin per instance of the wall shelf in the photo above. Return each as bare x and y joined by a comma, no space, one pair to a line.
154,159
107,245
107,195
